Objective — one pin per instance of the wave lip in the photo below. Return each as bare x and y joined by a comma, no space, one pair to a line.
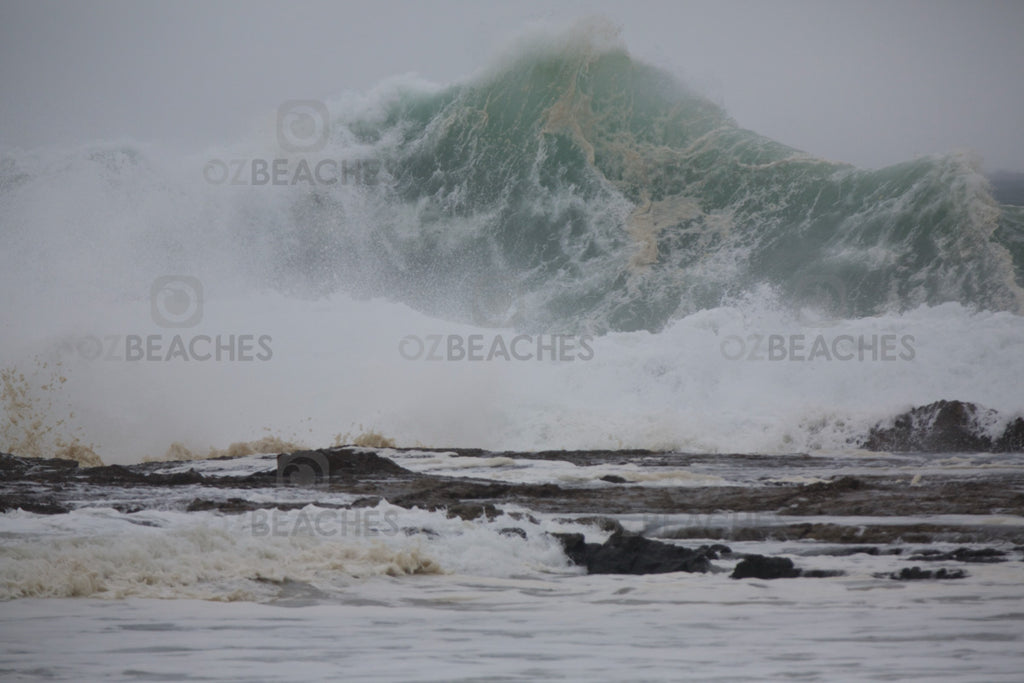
576,188
567,188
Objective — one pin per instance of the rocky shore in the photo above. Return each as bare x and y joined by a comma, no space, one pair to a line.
764,511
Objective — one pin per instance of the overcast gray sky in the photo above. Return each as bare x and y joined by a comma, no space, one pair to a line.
868,82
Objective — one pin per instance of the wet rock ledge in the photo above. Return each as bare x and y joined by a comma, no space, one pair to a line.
316,476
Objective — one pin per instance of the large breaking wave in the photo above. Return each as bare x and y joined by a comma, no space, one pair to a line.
567,188
573,188
592,191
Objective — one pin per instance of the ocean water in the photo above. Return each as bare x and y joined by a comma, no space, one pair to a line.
655,628
161,593
682,285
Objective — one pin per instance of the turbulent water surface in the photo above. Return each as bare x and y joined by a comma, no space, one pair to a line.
321,581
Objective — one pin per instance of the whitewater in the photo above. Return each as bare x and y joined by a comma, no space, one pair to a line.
337,368
718,293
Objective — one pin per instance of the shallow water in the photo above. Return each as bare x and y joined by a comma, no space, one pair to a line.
407,594
459,628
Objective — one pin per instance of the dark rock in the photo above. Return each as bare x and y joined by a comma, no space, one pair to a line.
821,573
853,550
846,483
715,551
128,509
263,479
36,504
541,490
961,555
130,476
11,467
312,467
230,505
762,567
628,554
519,516
632,554
1012,440
352,462
575,547
916,574
941,427
415,531
441,493
236,506
366,502
177,479
613,479
513,531
114,474
15,468
584,458
468,511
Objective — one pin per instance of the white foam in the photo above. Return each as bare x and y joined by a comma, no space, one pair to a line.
89,229
539,471
99,552
336,368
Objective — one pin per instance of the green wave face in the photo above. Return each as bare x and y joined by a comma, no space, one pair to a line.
575,189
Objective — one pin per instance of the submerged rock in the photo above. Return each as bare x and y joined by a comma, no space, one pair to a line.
305,468
851,550
917,574
236,506
762,567
961,555
121,475
625,553
40,506
511,531
714,551
470,511
15,468
1012,440
943,427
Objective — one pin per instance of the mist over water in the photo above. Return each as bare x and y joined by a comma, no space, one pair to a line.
263,287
